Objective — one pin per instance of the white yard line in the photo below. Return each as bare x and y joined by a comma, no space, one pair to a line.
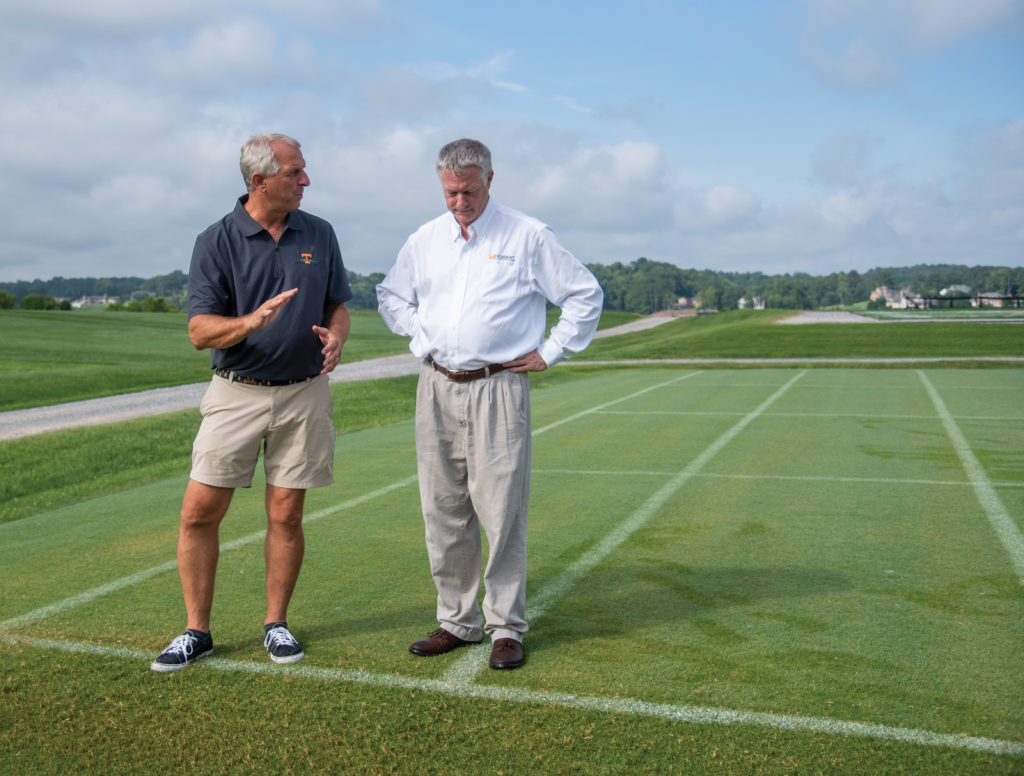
1006,529
455,683
864,415
139,577
467,668
601,407
787,477
134,579
694,715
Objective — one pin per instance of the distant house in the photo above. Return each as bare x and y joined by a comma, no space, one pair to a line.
757,302
904,299
988,299
85,301
956,290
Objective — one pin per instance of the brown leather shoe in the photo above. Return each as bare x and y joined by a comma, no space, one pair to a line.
507,653
437,643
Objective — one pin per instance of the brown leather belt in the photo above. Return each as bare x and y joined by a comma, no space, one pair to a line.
466,377
234,377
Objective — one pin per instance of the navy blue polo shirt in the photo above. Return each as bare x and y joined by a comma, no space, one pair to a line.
236,267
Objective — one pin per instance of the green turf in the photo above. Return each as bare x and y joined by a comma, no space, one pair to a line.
56,356
803,545
754,334
43,472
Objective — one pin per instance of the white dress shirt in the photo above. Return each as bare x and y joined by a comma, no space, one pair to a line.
469,303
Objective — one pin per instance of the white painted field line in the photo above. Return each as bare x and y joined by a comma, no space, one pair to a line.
865,415
135,579
794,477
601,407
1006,529
466,669
696,715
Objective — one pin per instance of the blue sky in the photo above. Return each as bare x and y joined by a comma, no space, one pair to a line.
800,136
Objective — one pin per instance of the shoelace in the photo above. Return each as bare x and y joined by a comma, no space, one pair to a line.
279,637
185,644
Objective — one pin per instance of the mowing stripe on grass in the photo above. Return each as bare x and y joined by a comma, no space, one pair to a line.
601,407
467,668
695,715
868,415
1008,532
796,477
134,579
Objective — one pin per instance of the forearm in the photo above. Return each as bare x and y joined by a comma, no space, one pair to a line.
338,321
217,331
208,330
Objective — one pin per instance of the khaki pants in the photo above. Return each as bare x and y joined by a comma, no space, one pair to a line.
473,449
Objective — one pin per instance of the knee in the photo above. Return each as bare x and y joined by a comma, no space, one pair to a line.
284,521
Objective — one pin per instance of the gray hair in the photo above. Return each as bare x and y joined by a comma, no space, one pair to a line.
459,155
259,157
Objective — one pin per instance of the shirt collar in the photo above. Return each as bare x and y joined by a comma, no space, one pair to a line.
250,227
478,227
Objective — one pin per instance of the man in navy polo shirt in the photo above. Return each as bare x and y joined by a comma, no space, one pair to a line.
267,292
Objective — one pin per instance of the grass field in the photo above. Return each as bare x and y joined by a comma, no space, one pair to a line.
731,571
48,357
750,334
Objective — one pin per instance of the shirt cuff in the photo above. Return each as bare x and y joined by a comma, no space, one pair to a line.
550,352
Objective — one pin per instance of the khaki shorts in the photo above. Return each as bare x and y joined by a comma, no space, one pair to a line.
292,423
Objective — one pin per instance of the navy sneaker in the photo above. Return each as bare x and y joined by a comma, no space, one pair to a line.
281,644
190,646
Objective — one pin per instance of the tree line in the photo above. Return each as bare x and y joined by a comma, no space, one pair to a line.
642,286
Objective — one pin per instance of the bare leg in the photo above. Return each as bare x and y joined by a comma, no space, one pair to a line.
202,510
285,547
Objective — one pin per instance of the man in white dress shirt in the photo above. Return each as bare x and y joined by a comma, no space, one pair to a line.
470,288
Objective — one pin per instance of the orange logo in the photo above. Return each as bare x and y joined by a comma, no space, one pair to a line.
306,258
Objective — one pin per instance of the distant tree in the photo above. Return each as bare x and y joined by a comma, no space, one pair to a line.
364,290
151,304
156,304
788,293
7,301
710,298
38,302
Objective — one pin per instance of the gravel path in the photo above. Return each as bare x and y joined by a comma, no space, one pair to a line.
817,316
112,409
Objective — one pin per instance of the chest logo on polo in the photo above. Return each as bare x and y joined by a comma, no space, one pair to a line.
501,257
306,258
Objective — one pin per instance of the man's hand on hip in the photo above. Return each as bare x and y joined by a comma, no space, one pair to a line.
531,362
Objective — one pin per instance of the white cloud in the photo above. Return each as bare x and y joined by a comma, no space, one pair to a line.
844,159
935,23
625,186
221,53
859,44
860,65
729,205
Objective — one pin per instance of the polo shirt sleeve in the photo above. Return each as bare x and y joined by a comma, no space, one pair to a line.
209,286
339,290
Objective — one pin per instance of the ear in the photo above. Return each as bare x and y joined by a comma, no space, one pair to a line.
258,181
